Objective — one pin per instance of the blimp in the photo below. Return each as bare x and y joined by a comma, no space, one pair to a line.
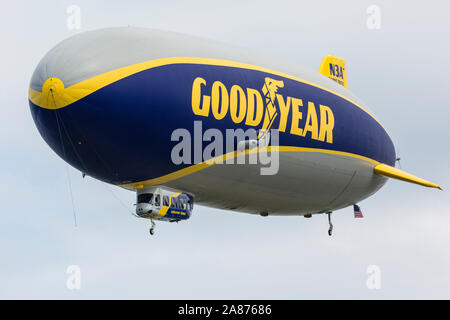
179,119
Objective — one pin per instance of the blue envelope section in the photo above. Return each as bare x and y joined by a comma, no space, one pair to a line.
121,133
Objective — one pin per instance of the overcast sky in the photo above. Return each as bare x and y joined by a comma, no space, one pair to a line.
400,71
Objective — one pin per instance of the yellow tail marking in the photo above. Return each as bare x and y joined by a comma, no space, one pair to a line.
391,172
335,69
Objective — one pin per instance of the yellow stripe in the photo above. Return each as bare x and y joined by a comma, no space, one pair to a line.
231,155
391,172
379,168
88,86
164,209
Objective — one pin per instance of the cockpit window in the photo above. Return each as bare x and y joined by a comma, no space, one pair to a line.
145,198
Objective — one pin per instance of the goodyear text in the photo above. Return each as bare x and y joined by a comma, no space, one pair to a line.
256,108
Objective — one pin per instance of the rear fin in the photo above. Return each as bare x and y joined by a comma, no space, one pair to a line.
391,172
335,69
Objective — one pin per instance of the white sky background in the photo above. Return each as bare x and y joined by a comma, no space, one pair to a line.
400,71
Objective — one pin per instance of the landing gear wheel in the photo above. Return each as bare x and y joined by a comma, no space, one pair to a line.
152,229
330,230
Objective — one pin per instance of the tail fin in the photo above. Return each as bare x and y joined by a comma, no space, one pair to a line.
335,69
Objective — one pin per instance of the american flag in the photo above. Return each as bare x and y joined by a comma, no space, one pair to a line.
357,211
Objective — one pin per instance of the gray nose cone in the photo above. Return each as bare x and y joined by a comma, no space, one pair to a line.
91,53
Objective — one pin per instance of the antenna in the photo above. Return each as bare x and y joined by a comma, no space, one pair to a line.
398,158
399,163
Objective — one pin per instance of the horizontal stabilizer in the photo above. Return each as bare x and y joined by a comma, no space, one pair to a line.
391,172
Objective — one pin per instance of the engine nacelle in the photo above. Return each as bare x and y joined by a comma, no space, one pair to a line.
162,203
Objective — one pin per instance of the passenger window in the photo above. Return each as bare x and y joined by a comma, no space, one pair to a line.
157,200
174,203
165,201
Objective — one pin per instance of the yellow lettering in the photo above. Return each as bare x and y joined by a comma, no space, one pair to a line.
219,94
311,122
284,111
234,106
296,116
196,97
326,124
254,116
